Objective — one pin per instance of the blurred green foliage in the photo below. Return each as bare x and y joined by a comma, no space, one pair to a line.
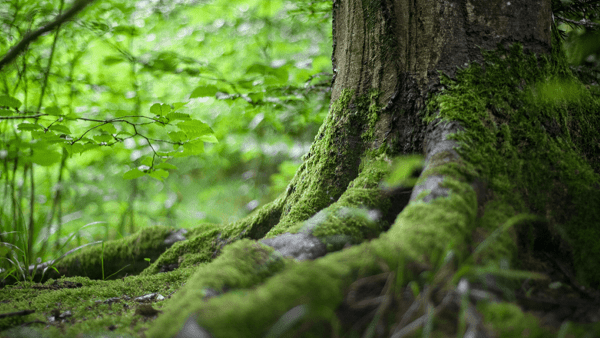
578,23
154,112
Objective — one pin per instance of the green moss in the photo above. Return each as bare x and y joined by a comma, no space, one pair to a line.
441,224
259,223
368,105
572,330
329,165
127,255
243,264
536,152
509,321
94,305
198,248
495,213
254,303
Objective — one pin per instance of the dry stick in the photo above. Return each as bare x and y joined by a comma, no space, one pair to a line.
22,45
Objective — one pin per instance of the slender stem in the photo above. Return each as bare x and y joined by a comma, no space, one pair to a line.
47,72
30,230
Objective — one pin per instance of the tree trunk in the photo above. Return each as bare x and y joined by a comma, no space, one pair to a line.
510,176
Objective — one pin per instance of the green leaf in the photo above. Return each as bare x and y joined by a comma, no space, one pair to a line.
6,112
178,116
166,166
194,128
147,161
89,146
109,128
56,111
177,136
133,173
173,153
193,147
163,121
246,84
256,97
45,158
123,134
112,60
39,137
9,101
257,68
155,109
164,109
204,91
210,138
159,174
178,105
126,30
160,109
281,74
51,138
29,126
103,138
402,170
191,71
77,148
166,61
60,128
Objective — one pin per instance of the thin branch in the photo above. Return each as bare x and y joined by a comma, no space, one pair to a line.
119,119
583,22
21,117
29,38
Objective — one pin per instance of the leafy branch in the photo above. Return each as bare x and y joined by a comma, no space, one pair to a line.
190,133
78,6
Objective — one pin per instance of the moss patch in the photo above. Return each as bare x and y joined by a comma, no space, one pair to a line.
70,306
510,321
118,257
535,151
243,264
199,248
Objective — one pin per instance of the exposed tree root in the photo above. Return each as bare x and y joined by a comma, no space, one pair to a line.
421,234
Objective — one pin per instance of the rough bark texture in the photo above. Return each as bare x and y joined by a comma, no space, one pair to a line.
332,256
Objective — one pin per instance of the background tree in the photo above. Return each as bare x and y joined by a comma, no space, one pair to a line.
510,178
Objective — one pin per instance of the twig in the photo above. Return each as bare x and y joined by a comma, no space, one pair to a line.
583,22
21,117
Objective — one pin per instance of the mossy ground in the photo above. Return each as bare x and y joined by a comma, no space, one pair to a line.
537,155
82,307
